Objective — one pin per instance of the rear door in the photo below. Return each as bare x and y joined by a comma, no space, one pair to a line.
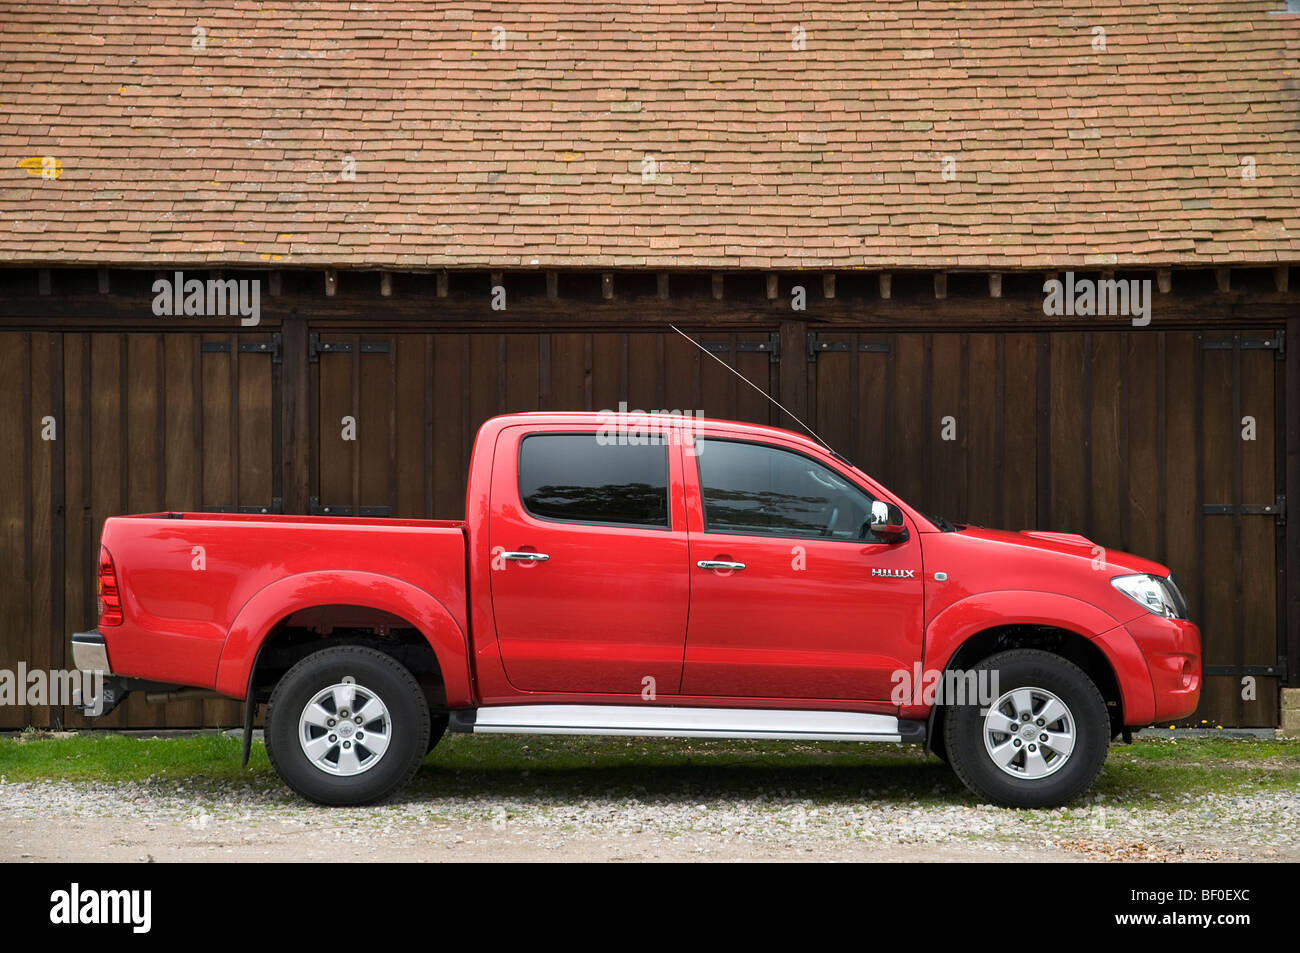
789,598
589,579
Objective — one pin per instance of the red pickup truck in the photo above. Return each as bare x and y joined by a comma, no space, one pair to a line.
649,576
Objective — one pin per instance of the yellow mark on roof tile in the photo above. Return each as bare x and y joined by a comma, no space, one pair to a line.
266,257
36,165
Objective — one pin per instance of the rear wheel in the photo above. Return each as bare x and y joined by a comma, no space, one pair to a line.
1042,741
347,725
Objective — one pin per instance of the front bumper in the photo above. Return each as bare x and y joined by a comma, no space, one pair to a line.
1172,649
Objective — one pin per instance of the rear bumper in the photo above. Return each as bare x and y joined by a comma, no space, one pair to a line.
90,652
106,691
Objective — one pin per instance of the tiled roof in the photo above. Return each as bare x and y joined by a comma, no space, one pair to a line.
662,134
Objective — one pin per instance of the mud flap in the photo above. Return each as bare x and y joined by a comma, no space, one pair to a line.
250,712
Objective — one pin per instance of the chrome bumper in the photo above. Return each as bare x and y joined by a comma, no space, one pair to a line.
89,652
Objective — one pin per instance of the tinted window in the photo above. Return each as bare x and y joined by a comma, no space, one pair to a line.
757,489
573,477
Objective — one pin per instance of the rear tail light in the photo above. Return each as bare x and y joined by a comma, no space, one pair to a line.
110,601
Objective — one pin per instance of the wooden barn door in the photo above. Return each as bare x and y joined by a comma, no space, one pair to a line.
1166,444
141,423
394,415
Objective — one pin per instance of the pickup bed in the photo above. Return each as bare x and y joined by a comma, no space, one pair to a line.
648,575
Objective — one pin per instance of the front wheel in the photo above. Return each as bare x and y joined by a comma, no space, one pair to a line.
1041,742
347,725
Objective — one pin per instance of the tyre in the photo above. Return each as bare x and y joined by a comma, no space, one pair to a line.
347,725
1043,740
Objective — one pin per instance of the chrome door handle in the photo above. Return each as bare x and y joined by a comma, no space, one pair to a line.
718,564
526,557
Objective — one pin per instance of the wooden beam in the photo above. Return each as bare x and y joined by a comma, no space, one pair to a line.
553,285
43,281
607,285
295,412
1164,280
103,281
84,309
886,280
828,285
717,286
442,284
773,287
1223,278
661,280
941,284
1281,278
273,285
995,285
792,369
386,284
331,282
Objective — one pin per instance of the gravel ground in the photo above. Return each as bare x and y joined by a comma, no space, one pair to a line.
197,820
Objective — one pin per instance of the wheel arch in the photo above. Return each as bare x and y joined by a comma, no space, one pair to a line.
272,608
968,632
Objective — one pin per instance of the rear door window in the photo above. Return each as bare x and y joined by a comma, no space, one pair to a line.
580,478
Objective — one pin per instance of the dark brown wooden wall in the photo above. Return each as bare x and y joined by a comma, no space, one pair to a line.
1124,436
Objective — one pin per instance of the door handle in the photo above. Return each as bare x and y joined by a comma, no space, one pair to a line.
719,564
526,557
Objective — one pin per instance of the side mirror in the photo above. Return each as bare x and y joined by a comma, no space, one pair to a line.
886,522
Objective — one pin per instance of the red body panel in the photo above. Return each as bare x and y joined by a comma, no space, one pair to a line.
201,592
616,611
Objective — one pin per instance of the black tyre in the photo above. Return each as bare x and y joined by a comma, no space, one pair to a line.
347,725
1041,743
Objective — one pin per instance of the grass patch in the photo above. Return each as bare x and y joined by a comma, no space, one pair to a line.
101,756
1150,773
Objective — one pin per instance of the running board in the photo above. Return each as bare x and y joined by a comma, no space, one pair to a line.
664,722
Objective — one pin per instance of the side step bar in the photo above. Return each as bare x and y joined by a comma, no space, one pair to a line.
664,722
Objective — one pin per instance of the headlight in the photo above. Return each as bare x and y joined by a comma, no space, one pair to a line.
1158,596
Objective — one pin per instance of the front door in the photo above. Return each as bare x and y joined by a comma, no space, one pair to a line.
791,596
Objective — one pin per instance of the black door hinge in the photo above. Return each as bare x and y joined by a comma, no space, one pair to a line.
330,509
317,347
817,346
771,347
1259,671
1276,509
271,347
273,507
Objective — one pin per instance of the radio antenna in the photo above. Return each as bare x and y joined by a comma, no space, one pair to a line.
760,390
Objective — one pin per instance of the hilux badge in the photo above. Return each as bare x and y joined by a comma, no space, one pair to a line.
895,573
